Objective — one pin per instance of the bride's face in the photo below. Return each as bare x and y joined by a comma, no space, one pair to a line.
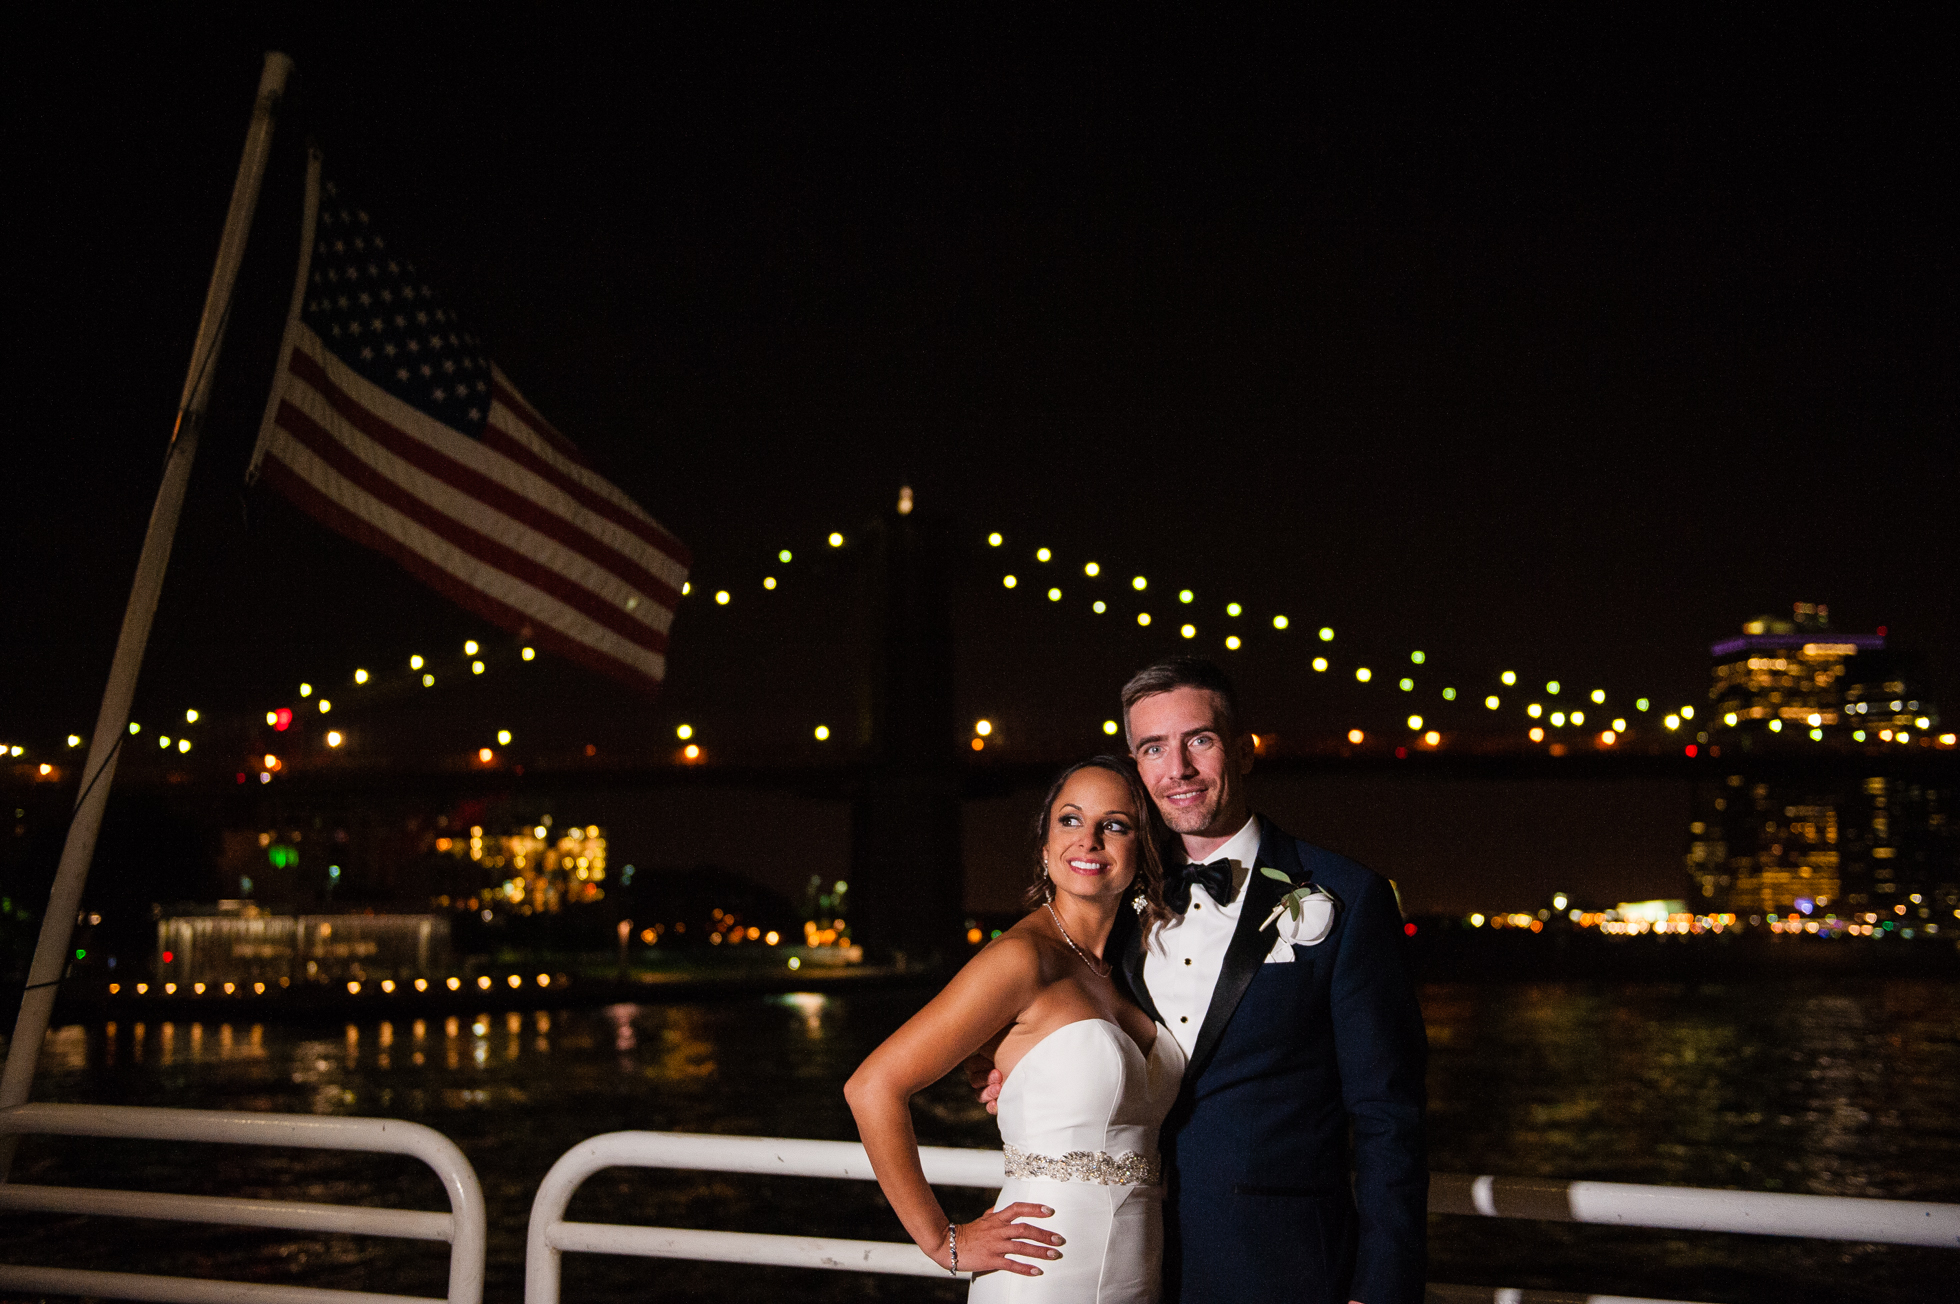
1092,847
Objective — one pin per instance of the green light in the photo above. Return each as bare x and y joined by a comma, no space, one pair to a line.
1551,686
80,954
1418,657
1326,634
1640,704
783,556
1233,609
1449,694
1185,595
1407,685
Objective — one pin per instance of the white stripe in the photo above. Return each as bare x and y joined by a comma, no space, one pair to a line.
517,427
480,516
1483,1195
478,574
493,465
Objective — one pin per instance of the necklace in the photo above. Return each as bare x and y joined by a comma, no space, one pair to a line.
1080,953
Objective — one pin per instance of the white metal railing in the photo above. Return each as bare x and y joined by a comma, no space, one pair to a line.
1896,1222
1697,1209
463,1226
550,1235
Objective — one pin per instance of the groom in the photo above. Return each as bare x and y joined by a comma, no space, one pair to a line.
1294,1158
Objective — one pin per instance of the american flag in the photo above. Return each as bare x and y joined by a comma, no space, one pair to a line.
388,423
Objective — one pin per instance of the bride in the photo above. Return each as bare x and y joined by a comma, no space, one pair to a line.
1089,1078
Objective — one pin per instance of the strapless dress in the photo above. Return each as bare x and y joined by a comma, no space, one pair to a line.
1079,1118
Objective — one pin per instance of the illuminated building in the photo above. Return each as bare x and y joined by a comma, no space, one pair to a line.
1791,827
1761,847
1785,677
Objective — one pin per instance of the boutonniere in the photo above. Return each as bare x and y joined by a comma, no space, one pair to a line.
1309,912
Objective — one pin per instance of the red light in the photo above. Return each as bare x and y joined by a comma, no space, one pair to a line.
1690,749
1409,929
241,778
1881,631
281,719
1401,753
168,956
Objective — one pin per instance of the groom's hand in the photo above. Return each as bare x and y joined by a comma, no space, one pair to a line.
986,1080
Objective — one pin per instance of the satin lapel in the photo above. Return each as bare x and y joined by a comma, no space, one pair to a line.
1131,946
1249,946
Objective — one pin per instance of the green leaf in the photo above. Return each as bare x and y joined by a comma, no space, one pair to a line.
1270,872
1293,907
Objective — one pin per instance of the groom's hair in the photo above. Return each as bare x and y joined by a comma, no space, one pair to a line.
1183,672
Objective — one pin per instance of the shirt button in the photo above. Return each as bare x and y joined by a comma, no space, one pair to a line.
1184,1018
1187,962
1196,906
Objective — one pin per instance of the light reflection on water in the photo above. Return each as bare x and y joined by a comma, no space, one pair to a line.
1839,1087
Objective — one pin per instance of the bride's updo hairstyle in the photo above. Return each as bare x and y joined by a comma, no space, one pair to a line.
1150,836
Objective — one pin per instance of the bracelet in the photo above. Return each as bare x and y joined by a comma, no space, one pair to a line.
953,1240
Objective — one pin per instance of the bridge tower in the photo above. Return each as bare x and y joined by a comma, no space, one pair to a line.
907,880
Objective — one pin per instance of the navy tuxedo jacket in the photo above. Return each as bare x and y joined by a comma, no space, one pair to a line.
1294,1159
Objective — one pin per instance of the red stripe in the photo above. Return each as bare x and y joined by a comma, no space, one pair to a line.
335,517
322,444
502,441
477,485
529,416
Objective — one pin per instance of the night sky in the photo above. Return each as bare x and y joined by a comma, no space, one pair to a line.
1561,344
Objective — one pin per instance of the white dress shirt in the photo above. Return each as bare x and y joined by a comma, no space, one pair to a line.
1181,965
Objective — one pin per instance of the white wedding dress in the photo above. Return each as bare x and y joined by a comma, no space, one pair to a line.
1079,1117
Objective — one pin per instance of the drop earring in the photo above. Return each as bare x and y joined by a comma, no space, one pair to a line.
1140,902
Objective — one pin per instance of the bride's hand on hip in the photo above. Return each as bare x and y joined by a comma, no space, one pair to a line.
986,1242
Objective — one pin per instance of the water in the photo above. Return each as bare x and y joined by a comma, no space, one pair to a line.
1840,1086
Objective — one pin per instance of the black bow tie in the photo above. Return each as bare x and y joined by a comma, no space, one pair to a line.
1215,877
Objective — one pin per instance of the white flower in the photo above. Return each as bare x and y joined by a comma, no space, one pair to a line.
1304,916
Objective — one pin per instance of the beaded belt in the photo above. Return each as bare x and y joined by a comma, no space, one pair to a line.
1130,1169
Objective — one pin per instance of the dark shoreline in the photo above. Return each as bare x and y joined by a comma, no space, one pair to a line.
1436,955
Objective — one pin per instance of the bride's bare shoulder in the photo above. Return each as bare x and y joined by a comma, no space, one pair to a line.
1019,955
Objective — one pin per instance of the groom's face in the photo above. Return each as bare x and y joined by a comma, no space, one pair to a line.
1194,767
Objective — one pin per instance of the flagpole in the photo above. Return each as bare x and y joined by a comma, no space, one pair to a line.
57,926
